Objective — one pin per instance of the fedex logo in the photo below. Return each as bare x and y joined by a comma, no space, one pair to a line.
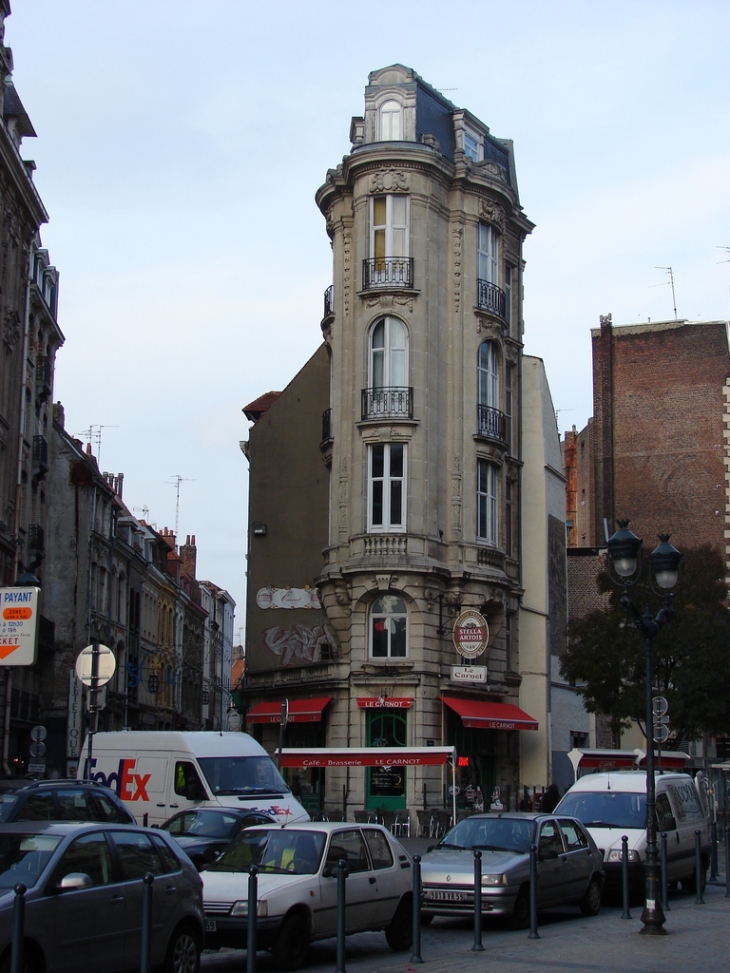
128,785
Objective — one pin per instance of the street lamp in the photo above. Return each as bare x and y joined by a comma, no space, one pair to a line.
624,568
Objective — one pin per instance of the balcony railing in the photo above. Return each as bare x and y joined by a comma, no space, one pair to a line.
326,425
490,297
491,423
387,403
36,538
329,297
387,272
384,545
40,453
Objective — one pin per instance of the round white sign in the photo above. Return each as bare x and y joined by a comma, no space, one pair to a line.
105,666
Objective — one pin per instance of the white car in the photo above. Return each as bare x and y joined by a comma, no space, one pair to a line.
297,887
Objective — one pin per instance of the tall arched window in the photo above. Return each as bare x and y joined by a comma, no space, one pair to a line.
391,129
387,393
389,628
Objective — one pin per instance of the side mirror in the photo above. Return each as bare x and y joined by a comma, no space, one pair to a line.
74,881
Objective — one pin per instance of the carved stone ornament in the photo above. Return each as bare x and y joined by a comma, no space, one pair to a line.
384,581
493,213
432,141
494,329
458,233
346,271
327,331
389,181
389,301
11,329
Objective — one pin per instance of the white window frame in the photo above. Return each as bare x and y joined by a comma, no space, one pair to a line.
390,359
488,375
392,231
487,503
386,486
390,115
488,253
472,144
390,608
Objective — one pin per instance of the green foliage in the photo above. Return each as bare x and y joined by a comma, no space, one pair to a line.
690,658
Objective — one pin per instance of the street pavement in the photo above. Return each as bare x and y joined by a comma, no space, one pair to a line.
697,940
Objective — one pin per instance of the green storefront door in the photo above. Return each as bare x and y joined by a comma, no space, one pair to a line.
386,786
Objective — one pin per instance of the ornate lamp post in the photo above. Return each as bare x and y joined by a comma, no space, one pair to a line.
624,567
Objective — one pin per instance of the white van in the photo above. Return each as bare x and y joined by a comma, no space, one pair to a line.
612,805
159,773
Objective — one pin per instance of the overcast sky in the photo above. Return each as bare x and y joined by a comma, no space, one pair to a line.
180,144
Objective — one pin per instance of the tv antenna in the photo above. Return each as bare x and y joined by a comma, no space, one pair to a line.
145,511
671,281
176,481
93,435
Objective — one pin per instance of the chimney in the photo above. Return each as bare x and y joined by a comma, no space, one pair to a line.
189,556
59,415
169,537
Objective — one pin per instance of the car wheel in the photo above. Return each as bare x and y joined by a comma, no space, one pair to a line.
590,904
521,911
32,963
400,931
292,944
183,953
427,919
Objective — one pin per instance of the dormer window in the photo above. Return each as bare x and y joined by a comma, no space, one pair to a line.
391,127
472,145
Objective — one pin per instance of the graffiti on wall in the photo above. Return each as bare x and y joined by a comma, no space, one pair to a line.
300,643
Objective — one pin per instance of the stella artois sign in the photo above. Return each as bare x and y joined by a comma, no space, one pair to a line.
471,634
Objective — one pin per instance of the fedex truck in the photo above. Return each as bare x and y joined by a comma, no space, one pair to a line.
160,773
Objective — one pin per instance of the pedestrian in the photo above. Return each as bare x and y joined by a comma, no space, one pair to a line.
550,799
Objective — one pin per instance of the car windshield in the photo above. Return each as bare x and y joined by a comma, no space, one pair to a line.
243,775
274,851
7,803
204,824
491,834
606,809
23,857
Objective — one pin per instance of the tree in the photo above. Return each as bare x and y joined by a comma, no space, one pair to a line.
606,658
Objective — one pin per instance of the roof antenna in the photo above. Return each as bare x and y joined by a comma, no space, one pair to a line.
671,281
176,481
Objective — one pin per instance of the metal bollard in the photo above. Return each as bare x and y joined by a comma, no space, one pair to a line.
626,914
699,871
145,819
727,863
416,947
713,851
534,934
16,955
146,938
477,947
251,912
341,906
665,874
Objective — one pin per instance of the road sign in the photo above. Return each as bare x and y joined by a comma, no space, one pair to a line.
38,733
661,732
106,664
18,629
659,706
37,749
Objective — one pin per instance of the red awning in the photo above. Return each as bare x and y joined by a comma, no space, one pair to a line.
482,715
300,711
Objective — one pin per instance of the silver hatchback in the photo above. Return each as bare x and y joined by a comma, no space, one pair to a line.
83,904
569,867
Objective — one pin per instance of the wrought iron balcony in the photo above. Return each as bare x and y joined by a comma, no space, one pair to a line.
387,403
40,451
43,376
490,297
491,423
387,272
36,538
329,297
326,426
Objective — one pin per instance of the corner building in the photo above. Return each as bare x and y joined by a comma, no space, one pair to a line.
422,329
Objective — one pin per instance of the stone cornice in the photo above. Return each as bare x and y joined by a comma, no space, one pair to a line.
17,174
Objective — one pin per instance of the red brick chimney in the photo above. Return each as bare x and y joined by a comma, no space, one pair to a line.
188,556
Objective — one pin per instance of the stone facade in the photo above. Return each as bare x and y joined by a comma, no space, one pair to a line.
423,333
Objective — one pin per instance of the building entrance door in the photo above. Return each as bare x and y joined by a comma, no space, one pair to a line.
386,786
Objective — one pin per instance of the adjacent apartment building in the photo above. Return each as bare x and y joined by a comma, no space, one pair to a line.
386,479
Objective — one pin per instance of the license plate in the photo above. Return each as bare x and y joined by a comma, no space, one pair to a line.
436,895
210,925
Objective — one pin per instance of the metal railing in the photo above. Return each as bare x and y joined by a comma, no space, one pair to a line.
387,272
40,452
490,297
393,402
36,538
491,423
329,297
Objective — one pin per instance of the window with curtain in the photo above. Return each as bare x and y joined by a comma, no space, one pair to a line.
388,628
487,485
